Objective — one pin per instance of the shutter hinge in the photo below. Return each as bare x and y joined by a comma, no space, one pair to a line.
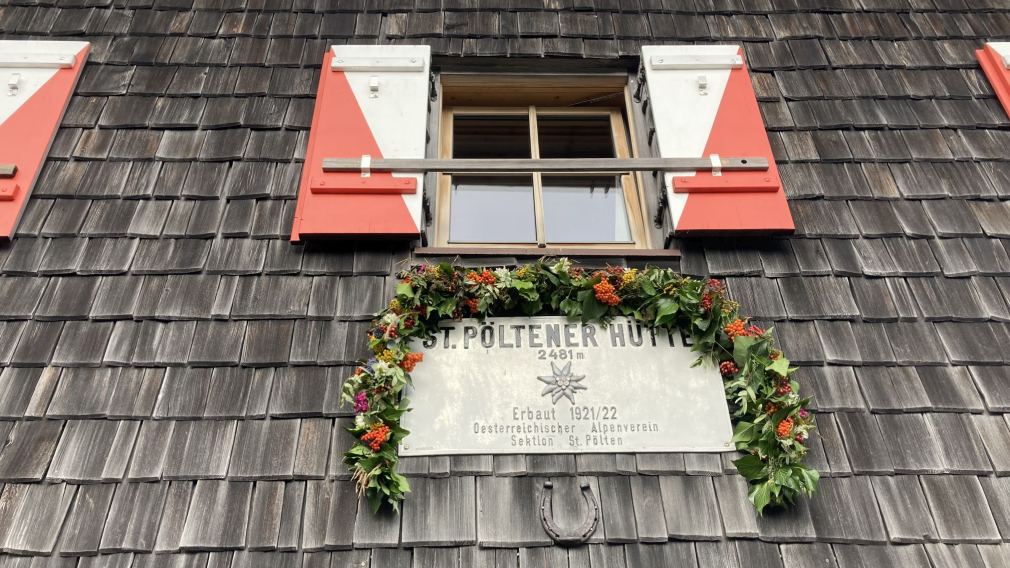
432,87
640,83
661,206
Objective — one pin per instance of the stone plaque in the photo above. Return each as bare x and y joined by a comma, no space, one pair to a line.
548,385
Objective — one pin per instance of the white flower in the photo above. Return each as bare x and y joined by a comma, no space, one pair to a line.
359,421
504,277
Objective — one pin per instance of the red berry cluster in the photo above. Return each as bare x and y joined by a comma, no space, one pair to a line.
784,428
735,329
706,302
410,360
605,293
376,436
485,277
771,408
472,304
784,388
388,331
728,368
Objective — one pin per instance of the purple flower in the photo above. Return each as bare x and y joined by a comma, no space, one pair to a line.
804,414
360,402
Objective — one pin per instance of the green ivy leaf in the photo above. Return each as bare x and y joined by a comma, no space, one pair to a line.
666,308
592,310
741,349
751,468
779,366
760,496
405,290
744,432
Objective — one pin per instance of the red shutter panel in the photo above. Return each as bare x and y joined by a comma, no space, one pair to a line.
994,58
703,105
39,79
372,103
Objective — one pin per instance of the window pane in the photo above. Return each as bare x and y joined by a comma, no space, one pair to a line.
575,137
492,209
491,136
585,209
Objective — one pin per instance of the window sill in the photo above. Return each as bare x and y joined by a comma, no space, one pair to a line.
573,252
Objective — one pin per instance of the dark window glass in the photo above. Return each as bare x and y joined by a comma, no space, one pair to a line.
575,136
491,137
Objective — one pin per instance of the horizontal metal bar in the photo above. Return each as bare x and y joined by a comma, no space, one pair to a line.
552,165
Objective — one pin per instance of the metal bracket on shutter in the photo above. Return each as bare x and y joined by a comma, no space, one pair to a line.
377,63
432,87
8,170
687,61
8,192
38,60
580,534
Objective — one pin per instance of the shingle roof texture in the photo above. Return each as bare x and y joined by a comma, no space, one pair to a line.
170,363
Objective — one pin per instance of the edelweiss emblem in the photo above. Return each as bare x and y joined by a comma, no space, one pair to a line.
561,383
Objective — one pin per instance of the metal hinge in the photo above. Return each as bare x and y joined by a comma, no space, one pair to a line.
432,87
662,204
640,84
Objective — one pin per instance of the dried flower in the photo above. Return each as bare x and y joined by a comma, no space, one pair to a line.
360,402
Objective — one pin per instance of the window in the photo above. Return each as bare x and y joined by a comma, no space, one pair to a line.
576,209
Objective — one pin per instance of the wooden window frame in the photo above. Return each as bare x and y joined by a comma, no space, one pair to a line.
622,149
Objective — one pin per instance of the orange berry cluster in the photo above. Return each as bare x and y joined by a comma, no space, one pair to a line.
784,428
376,436
485,277
605,293
472,305
771,408
735,329
410,360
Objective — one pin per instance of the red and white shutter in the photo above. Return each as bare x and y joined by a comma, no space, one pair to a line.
994,58
372,103
38,80
703,105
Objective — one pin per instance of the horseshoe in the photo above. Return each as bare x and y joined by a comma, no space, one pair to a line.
582,533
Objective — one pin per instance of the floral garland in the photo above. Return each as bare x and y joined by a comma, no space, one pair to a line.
771,421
